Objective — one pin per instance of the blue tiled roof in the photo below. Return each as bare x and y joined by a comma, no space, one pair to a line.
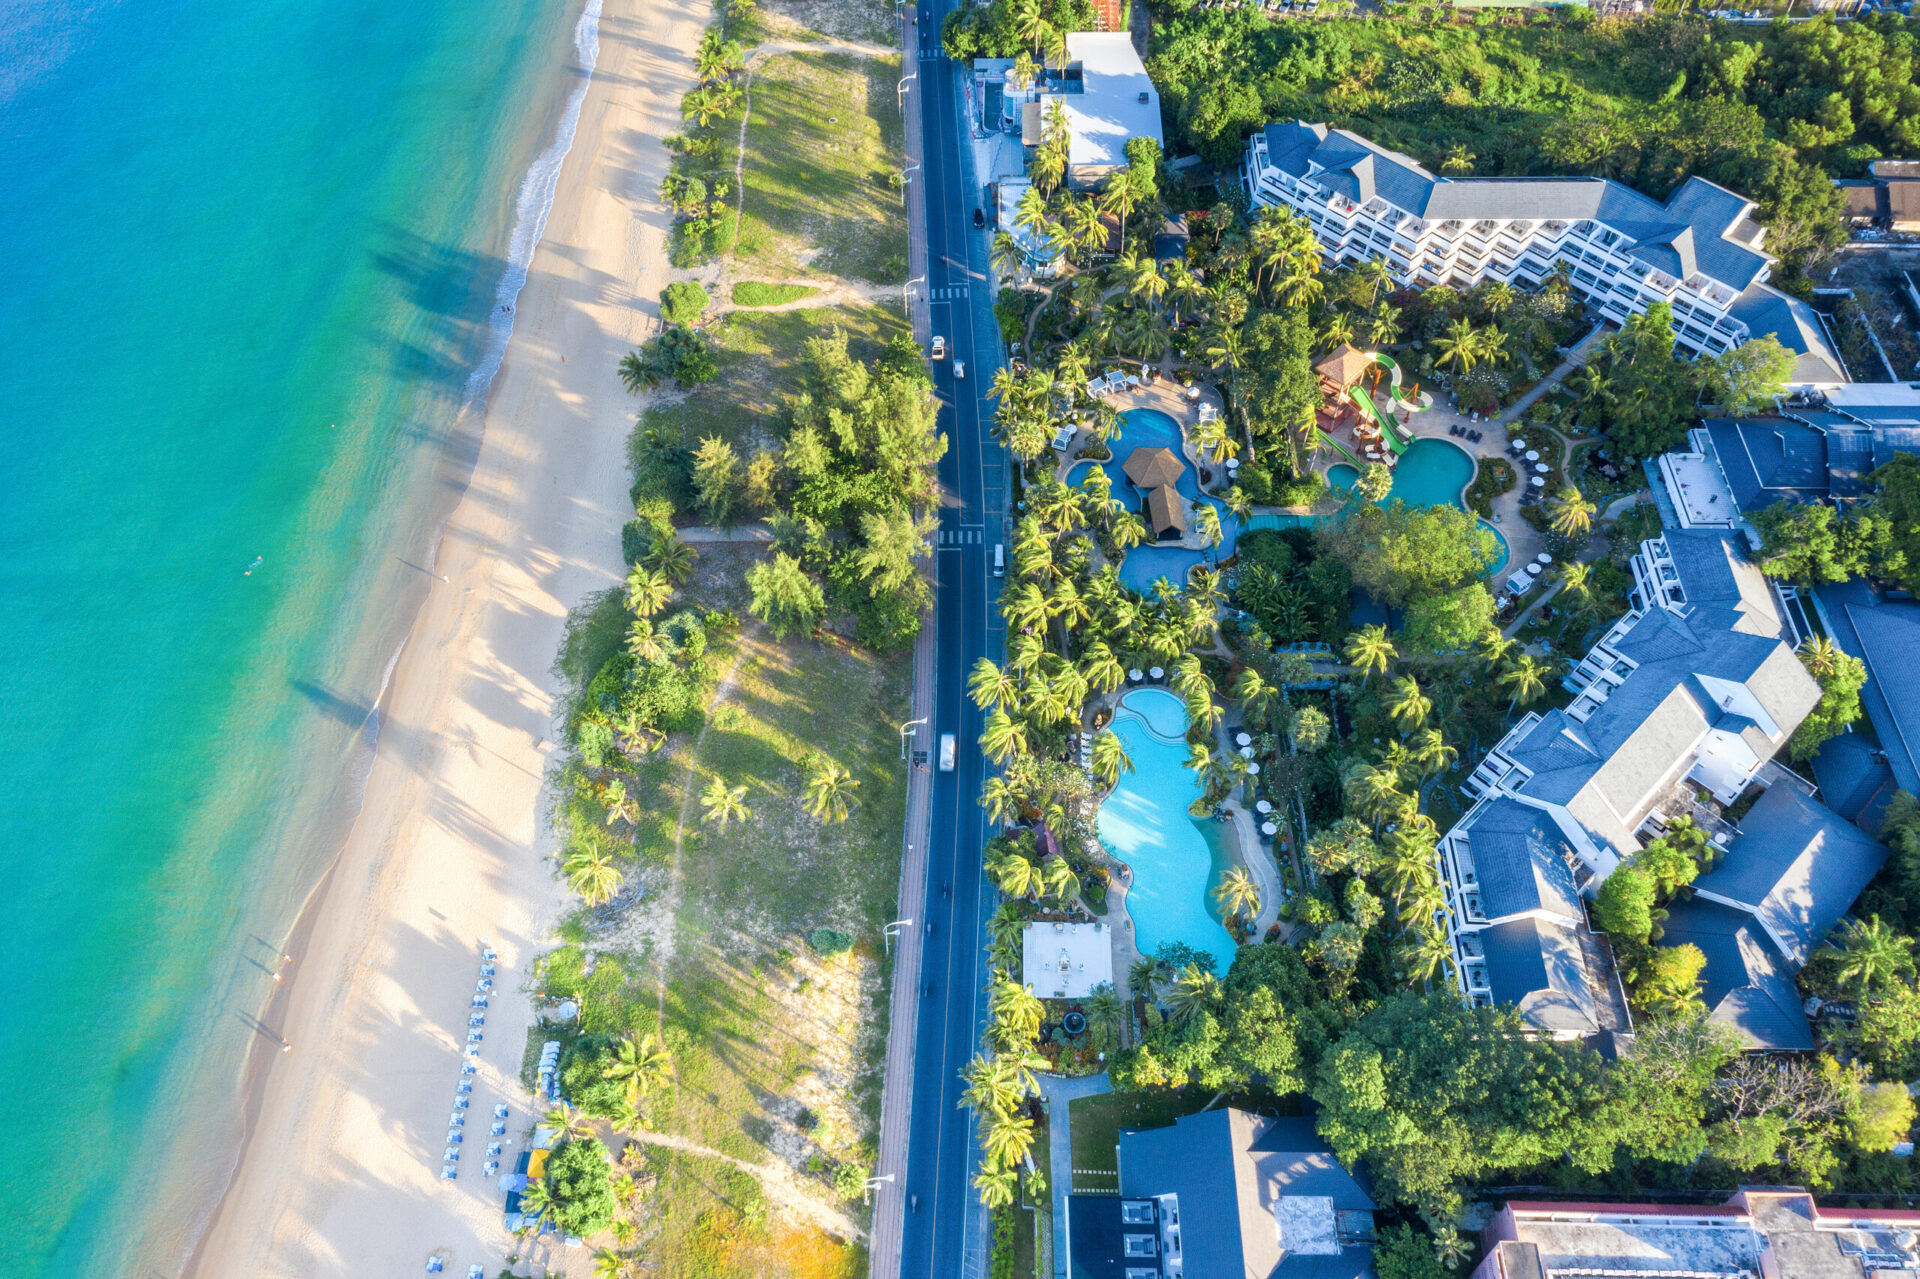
1770,460
1854,779
1523,860
1885,634
1539,968
1746,984
1797,865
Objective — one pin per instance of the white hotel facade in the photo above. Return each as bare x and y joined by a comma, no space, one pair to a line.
1700,251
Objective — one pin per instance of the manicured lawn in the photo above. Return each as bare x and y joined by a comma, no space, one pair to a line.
760,293
1097,1122
824,139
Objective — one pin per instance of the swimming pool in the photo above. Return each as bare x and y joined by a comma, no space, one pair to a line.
1144,564
1432,472
1175,860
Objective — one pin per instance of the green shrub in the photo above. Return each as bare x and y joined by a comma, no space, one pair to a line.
677,355
828,942
1492,477
760,293
583,1076
580,1179
683,301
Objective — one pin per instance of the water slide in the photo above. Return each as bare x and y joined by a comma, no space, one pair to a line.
1389,428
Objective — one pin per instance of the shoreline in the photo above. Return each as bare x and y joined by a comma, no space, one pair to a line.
337,1169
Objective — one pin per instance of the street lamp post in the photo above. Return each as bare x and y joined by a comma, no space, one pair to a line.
894,929
870,1185
906,297
906,731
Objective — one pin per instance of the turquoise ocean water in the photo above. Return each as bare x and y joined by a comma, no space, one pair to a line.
255,256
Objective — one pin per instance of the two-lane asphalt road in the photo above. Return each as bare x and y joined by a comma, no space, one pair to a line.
934,1185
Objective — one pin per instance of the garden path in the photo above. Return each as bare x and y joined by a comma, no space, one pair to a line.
1058,1092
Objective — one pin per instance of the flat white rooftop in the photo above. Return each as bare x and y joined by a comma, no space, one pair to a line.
1699,493
1066,961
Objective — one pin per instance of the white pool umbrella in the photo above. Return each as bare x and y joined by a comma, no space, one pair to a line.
1538,482
1268,828
1253,770
1533,455
1262,806
1242,739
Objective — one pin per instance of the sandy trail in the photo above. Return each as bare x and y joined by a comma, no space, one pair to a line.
341,1175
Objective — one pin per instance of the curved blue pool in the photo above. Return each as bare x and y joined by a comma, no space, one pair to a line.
1175,860
1144,564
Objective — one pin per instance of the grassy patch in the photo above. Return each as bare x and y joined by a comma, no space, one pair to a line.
760,293
1492,477
821,147
1097,1122
757,351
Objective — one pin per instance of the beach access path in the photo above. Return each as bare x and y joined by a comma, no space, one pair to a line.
341,1171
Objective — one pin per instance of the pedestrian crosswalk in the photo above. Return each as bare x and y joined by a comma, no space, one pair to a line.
961,536
947,293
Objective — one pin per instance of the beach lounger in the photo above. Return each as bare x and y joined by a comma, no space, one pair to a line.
456,1120
500,1110
466,1086
486,970
493,1149
452,1156
478,1019
455,1137
478,1001
475,1272
484,985
475,1036
449,1173
498,1130
461,1103
467,1068
493,1168
473,1050
487,953
436,1264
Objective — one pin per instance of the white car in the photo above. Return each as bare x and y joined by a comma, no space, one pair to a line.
939,349
960,368
947,747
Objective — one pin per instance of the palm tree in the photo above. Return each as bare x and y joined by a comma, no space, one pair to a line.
1425,956
1200,757
1104,1017
648,590
989,685
723,803
1339,330
1872,954
830,790
1006,1140
1819,655
672,557
1002,738
644,642
642,1065
1016,1012
1004,257
1383,326
1494,648
1206,522
608,1264
990,1090
1410,706
1142,976
1527,678
1007,926
1433,754
1193,990
1572,513
1370,650
1574,584
1110,758
568,1123
1460,346
620,808
1016,875
1374,791
1371,275
1103,670
1061,883
999,799
592,874
1237,893
1255,695
537,1200
996,1186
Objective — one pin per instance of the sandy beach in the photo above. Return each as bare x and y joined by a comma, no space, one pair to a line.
341,1171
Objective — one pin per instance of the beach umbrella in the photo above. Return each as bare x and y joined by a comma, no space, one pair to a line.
1269,829
1538,482
1242,739
1533,455
1262,806
1253,770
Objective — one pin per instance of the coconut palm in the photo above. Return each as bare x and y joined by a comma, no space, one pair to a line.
1432,754
1371,276
1459,346
1194,990
1370,650
1425,956
1142,976
1007,925
648,590
1370,790
1016,1012
1572,513
1000,800
568,1123
1527,678
1006,1139
990,1089
1200,757
1103,670
672,557
1005,255
1420,900
537,1200
641,1065
1383,326
620,808
1255,695
1309,728
646,643
1061,883
830,790
1338,330
1493,648
722,803
1190,678
1016,875
1204,713
1237,893
1872,954
996,1186
989,685
1206,523
592,874
1110,758
1001,737
608,1264
1104,1016
1410,706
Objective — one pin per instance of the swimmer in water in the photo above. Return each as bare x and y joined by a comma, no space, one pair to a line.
257,561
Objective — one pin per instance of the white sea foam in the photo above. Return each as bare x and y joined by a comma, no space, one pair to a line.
530,210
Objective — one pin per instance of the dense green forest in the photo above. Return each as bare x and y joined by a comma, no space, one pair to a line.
1773,112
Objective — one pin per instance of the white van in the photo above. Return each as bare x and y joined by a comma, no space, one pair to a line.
999,559
946,752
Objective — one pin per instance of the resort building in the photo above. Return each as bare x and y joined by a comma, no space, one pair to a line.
1156,472
1888,199
1066,961
1108,98
1700,250
1859,771
1770,1232
1220,1193
1696,686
